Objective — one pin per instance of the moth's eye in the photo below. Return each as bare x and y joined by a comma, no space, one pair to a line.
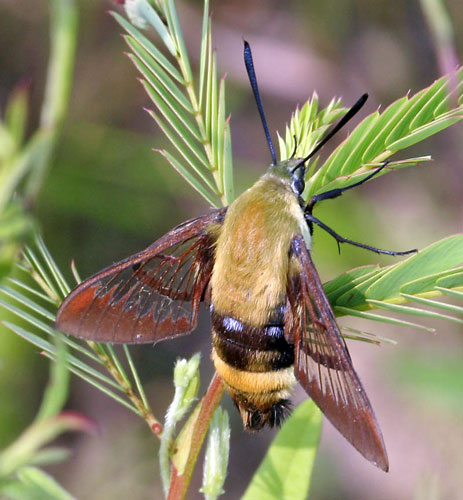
298,186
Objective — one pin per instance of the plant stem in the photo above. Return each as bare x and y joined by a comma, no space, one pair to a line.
189,86
185,69
179,483
64,16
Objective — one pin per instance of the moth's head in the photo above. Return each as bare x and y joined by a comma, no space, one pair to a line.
292,172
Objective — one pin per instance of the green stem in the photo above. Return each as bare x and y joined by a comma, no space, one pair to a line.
185,69
63,34
190,88
440,26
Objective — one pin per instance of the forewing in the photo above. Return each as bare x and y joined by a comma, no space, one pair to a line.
322,363
149,296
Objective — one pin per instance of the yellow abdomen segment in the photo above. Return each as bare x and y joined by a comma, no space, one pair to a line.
261,388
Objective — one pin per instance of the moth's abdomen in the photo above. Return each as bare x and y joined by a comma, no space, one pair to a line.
256,364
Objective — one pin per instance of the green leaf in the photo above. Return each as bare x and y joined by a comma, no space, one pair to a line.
50,456
451,293
219,142
355,334
412,311
412,109
23,449
177,120
434,303
33,306
210,77
135,375
15,227
347,311
359,139
386,121
149,47
185,173
307,127
16,114
152,17
213,110
175,31
56,392
205,44
205,143
35,152
51,267
204,183
286,470
155,74
425,284
180,137
335,288
354,296
16,490
417,272
228,186
424,132
438,257
405,122
452,281
74,363
27,303
29,290
43,483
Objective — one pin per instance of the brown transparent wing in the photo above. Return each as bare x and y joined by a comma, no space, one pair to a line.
322,363
149,296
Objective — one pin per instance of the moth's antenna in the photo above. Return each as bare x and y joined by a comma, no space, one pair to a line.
252,78
348,116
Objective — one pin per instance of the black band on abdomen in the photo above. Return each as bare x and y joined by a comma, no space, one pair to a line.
255,349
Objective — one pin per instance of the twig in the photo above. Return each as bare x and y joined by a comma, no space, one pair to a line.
179,483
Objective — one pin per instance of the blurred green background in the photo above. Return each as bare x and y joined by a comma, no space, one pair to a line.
109,195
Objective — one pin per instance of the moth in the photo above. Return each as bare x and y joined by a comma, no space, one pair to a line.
272,324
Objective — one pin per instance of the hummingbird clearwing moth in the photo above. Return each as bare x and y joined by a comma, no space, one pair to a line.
272,324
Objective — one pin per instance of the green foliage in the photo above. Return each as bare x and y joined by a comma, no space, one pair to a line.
443,278
33,304
34,484
23,164
197,128
186,383
192,114
15,227
403,123
216,459
435,271
192,117
308,126
19,476
286,470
